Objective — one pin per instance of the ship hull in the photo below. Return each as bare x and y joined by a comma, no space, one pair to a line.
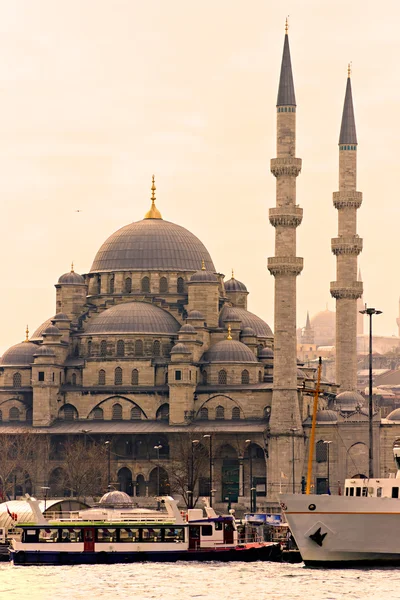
340,531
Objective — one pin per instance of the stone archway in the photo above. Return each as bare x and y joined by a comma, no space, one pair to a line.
125,481
357,459
228,466
158,482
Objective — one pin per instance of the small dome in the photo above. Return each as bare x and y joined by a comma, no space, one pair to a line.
71,278
52,330
187,329
266,353
37,336
230,316
247,319
133,317
44,351
233,285
203,277
229,351
180,349
195,314
349,401
61,317
248,331
394,415
116,499
19,355
324,416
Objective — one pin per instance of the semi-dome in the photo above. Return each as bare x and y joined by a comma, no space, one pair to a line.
19,355
180,349
326,416
61,317
133,317
234,285
394,415
266,353
187,329
71,278
195,314
52,330
229,351
203,276
152,245
248,331
115,498
349,401
248,320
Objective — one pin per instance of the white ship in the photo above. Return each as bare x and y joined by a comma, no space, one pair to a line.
362,527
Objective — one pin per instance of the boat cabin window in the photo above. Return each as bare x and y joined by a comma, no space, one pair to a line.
174,535
105,534
48,535
358,491
351,490
128,535
378,492
346,491
206,530
218,526
150,534
365,491
30,535
395,492
70,535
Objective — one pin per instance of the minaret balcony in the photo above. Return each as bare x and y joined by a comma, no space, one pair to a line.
347,199
285,166
349,244
285,265
286,216
348,291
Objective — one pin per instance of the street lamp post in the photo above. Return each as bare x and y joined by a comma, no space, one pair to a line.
191,491
293,430
208,435
328,443
108,444
45,489
85,432
250,451
370,312
157,449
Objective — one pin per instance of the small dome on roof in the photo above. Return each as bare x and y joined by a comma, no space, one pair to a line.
133,317
326,416
61,317
203,276
187,329
19,355
234,285
180,349
230,315
116,499
394,415
266,353
349,401
44,351
249,331
71,278
195,314
229,351
52,330
247,319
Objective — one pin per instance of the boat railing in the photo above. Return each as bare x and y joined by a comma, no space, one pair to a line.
137,517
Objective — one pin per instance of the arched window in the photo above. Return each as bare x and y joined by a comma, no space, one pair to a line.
205,377
156,348
139,348
260,377
17,380
103,347
89,348
163,413
68,412
136,414
321,452
13,414
118,376
267,412
102,377
128,285
180,285
111,284
235,413
222,377
135,377
145,284
98,414
245,376
163,285
120,348
73,379
220,412
117,412
203,414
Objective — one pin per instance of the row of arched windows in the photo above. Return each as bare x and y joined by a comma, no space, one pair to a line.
118,377
120,348
223,377
68,412
145,285
219,413
98,413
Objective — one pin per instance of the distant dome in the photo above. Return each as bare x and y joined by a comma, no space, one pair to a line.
195,314
394,415
151,245
71,278
180,349
203,277
52,330
234,285
187,329
19,355
324,328
116,498
266,353
229,351
349,401
133,317
248,331
326,416
248,320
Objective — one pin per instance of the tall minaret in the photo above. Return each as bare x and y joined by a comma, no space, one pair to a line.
346,247
285,421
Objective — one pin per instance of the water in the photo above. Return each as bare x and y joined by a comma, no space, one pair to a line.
203,581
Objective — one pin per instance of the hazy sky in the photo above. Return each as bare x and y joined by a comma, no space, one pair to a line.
97,95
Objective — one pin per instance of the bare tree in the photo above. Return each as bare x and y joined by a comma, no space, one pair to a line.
189,463
84,468
16,462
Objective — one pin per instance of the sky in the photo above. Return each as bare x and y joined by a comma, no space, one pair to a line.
97,95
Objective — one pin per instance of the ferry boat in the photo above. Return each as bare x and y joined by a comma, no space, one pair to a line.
118,533
362,527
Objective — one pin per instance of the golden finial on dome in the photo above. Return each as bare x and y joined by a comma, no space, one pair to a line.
203,265
349,70
72,268
27,334
287,25
233,274
153,213
229,337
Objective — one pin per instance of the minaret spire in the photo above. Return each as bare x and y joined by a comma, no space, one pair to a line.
286,95
348,127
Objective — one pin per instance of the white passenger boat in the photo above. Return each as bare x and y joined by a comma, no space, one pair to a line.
125,534
360,528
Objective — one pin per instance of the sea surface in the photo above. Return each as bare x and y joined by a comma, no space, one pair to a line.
203,581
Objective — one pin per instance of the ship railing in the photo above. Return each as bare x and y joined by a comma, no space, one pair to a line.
101,518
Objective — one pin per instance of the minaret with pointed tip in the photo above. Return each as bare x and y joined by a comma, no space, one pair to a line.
346,247
285,266
308,333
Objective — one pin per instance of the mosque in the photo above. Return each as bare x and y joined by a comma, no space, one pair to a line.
153,345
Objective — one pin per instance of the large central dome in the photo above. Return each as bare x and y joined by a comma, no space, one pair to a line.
152,245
